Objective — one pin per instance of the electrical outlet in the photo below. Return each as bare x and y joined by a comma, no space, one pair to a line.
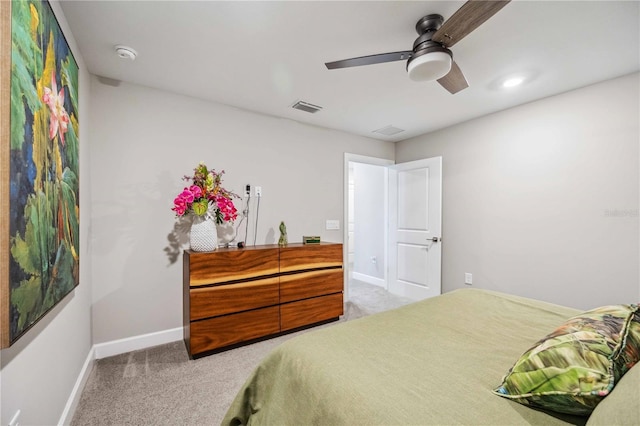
468,278
258,191
247,191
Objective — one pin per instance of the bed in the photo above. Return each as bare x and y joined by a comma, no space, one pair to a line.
432,362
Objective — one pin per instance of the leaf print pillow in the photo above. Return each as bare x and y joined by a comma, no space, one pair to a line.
572,369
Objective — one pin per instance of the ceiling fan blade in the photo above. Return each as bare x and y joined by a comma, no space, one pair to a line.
454,81
370,60
470,16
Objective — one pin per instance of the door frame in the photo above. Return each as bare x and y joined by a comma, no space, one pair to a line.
356,158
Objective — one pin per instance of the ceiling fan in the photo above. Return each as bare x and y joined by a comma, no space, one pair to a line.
431,58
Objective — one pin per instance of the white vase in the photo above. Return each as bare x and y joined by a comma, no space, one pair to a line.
204,235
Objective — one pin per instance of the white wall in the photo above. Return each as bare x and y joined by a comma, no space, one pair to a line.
369,222
144,141
39,371
542,200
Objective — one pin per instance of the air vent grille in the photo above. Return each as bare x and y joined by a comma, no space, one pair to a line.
307,107
389,131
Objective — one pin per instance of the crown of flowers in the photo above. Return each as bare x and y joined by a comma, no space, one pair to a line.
205,196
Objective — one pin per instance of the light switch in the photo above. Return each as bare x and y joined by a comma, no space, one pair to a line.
468,278
332,224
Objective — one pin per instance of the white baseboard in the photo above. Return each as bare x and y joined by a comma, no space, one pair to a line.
76,393
369,279
121,346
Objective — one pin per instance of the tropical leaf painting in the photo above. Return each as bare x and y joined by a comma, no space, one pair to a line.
43,187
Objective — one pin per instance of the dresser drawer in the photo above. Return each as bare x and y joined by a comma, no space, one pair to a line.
230,298
310,311
299,257
214,333
224,265
310,284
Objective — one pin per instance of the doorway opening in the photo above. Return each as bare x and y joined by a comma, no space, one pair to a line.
366,234
393,232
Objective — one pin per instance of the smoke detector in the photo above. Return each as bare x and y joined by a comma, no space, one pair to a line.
126,52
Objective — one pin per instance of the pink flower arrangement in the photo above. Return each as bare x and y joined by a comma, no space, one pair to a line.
206,195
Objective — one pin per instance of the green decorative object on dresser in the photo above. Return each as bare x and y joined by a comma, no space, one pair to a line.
283,241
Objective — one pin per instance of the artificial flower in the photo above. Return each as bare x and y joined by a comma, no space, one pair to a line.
205,196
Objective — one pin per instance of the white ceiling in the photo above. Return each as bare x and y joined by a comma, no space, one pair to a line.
264,56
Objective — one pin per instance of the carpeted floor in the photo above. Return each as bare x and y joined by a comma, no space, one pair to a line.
161,386
372,298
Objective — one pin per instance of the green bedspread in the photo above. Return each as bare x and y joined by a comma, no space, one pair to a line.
432,362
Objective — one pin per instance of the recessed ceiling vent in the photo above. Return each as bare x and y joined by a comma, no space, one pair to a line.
307,107
389,131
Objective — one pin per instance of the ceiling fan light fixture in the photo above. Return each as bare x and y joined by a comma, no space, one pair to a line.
430,66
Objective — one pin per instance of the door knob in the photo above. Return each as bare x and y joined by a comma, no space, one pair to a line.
435,239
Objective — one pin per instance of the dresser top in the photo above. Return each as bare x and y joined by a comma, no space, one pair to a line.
264,247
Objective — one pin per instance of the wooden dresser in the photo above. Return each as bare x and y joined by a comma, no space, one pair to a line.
231,295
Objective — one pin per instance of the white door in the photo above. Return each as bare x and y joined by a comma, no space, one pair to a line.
415,224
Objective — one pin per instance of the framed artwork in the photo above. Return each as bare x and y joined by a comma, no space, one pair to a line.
39,237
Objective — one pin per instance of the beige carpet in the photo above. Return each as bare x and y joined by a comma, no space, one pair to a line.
161,386
372,298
